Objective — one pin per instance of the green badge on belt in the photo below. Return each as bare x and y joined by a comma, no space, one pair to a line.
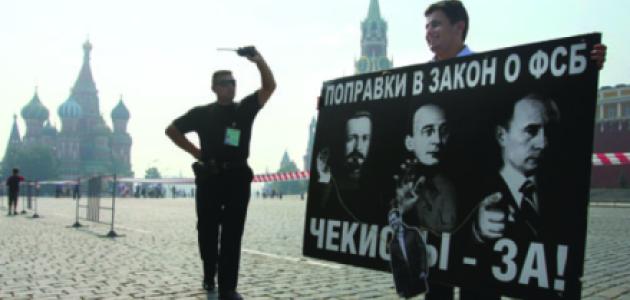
232,136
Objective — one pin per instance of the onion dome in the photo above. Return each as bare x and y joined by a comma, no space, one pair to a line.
35,110
70,109
120,112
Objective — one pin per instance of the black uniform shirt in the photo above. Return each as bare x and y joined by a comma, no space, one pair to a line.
211,122
13,182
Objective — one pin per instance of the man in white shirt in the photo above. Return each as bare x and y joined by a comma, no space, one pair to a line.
446,29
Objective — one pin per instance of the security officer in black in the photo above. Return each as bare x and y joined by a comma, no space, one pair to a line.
222,174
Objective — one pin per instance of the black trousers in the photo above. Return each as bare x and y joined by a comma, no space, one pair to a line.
13,198
221,203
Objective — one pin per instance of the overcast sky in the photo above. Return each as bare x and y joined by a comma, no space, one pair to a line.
159,55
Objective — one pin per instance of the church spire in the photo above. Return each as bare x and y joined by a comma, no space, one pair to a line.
374,12
12,148
84,90
87,48
285,158
85,81
15,132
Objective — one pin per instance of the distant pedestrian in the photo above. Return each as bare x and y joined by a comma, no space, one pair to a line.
58,191
13,184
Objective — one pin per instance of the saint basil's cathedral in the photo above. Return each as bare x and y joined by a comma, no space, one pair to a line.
85,145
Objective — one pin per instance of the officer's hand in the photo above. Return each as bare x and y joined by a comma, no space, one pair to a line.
490,218
250,53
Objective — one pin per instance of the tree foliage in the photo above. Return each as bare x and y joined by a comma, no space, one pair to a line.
152,173
36,162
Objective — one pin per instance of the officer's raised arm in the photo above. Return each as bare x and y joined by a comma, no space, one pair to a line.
268,83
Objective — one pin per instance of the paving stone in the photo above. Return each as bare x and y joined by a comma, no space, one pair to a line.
158,256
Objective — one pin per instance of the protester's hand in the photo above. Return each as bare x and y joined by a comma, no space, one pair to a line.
598,54
323,169
490,218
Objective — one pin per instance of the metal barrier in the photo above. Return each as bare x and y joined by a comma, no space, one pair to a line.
32,195
28,195
23,212
93,208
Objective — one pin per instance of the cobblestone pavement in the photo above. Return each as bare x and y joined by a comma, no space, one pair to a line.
158,256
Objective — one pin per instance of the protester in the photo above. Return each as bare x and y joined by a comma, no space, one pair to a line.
447,25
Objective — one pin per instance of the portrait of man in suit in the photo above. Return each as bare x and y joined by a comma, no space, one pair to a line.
512,208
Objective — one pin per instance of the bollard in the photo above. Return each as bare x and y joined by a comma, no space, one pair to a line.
112,233
36,215
76,221
29,195
23,208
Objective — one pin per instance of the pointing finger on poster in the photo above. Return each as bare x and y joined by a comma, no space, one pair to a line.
490,219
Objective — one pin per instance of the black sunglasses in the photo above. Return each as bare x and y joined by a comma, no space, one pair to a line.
226,82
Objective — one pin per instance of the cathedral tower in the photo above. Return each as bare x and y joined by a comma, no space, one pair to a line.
13,146
121,140
373,42
69,142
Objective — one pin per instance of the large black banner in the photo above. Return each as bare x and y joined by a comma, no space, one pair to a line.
473,172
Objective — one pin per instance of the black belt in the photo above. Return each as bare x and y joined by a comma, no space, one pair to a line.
225,164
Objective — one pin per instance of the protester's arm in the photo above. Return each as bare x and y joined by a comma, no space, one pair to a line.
268,83
182,142
598,54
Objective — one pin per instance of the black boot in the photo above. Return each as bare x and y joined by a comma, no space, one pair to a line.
208,277
231,295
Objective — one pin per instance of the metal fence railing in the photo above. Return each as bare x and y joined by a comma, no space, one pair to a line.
27,198
96,189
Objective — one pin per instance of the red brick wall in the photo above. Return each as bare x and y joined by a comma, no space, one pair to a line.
615,137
